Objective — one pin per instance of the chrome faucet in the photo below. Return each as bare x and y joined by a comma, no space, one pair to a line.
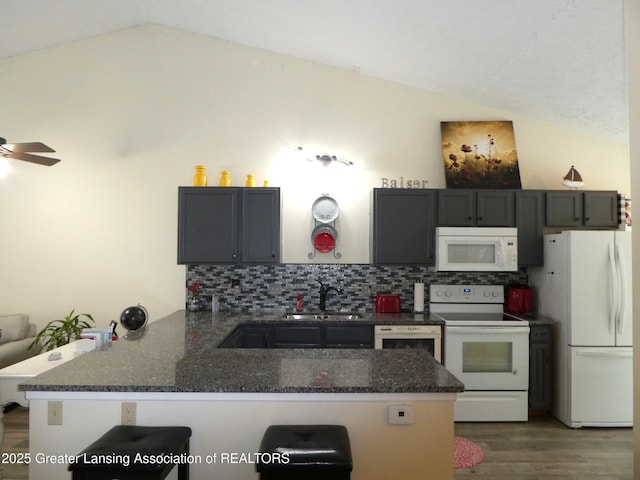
324,290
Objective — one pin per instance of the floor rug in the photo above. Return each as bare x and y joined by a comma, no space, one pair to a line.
466,454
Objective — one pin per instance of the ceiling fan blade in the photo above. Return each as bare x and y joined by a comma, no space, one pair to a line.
27,147
46,161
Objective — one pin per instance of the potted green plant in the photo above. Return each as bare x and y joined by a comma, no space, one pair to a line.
60,332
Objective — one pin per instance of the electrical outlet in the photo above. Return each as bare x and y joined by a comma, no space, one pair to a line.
401,414
128,413
367,289
274,289
54,412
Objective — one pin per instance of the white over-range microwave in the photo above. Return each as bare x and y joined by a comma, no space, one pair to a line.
477,249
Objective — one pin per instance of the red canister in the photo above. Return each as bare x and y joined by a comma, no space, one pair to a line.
519,299
387,303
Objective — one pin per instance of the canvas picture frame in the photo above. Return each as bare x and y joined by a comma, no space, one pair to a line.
480,154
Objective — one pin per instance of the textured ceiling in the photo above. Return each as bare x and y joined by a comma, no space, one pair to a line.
562,61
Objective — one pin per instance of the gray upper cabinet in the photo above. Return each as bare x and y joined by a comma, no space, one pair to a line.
456,208
481,208
601,209
403,226
404,220
260,232
529,206
564,209
228,225
582,209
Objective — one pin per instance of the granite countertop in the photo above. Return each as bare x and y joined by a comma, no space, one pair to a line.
179,354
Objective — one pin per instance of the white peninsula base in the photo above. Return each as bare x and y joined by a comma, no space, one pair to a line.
233,423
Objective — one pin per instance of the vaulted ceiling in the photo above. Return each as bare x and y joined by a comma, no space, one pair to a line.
562,61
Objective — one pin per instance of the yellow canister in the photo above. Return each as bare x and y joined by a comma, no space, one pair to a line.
225,179
200,177
251,182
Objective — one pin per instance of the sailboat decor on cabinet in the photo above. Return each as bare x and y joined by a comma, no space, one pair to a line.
480,154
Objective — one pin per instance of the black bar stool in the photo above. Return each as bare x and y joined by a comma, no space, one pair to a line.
129,452
309,452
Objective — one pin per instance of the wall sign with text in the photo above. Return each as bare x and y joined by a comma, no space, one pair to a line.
400,182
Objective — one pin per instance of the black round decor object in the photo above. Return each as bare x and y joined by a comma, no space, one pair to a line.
134,318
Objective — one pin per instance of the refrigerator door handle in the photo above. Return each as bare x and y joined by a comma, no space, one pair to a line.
613,304
605,353
621,299
499,253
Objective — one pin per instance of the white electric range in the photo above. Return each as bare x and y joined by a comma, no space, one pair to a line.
486,349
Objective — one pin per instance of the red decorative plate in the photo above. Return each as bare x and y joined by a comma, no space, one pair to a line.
324,242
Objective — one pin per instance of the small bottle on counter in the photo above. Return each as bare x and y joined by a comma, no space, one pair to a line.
251,181
299,303
225,179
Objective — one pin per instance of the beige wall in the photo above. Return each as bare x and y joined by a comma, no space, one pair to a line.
380,451
632,18
131,113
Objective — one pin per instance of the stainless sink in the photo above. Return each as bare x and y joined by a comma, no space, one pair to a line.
322,316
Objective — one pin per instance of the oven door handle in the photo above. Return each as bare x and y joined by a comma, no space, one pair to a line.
493,330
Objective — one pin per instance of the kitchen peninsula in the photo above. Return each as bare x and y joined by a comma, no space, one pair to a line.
177,375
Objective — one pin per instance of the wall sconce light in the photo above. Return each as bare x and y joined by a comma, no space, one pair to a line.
572,179
324,159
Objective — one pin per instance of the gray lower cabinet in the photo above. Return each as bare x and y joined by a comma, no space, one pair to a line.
256,336
529,206
582,209
228,225
349,336
403,226
300,335
297,336
540,367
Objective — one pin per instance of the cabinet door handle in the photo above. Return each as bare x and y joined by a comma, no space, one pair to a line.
469,218
235,255
587,219
479,218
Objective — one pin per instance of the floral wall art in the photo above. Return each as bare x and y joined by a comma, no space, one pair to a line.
480,155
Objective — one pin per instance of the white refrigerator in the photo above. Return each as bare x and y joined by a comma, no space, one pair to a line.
585,287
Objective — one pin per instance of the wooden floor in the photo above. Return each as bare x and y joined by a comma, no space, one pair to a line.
544,448
540,449
16,440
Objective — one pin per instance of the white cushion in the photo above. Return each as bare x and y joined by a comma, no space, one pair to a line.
13,327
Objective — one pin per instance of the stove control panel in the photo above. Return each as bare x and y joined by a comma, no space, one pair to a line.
466,293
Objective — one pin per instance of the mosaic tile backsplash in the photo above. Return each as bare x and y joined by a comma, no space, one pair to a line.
276,287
